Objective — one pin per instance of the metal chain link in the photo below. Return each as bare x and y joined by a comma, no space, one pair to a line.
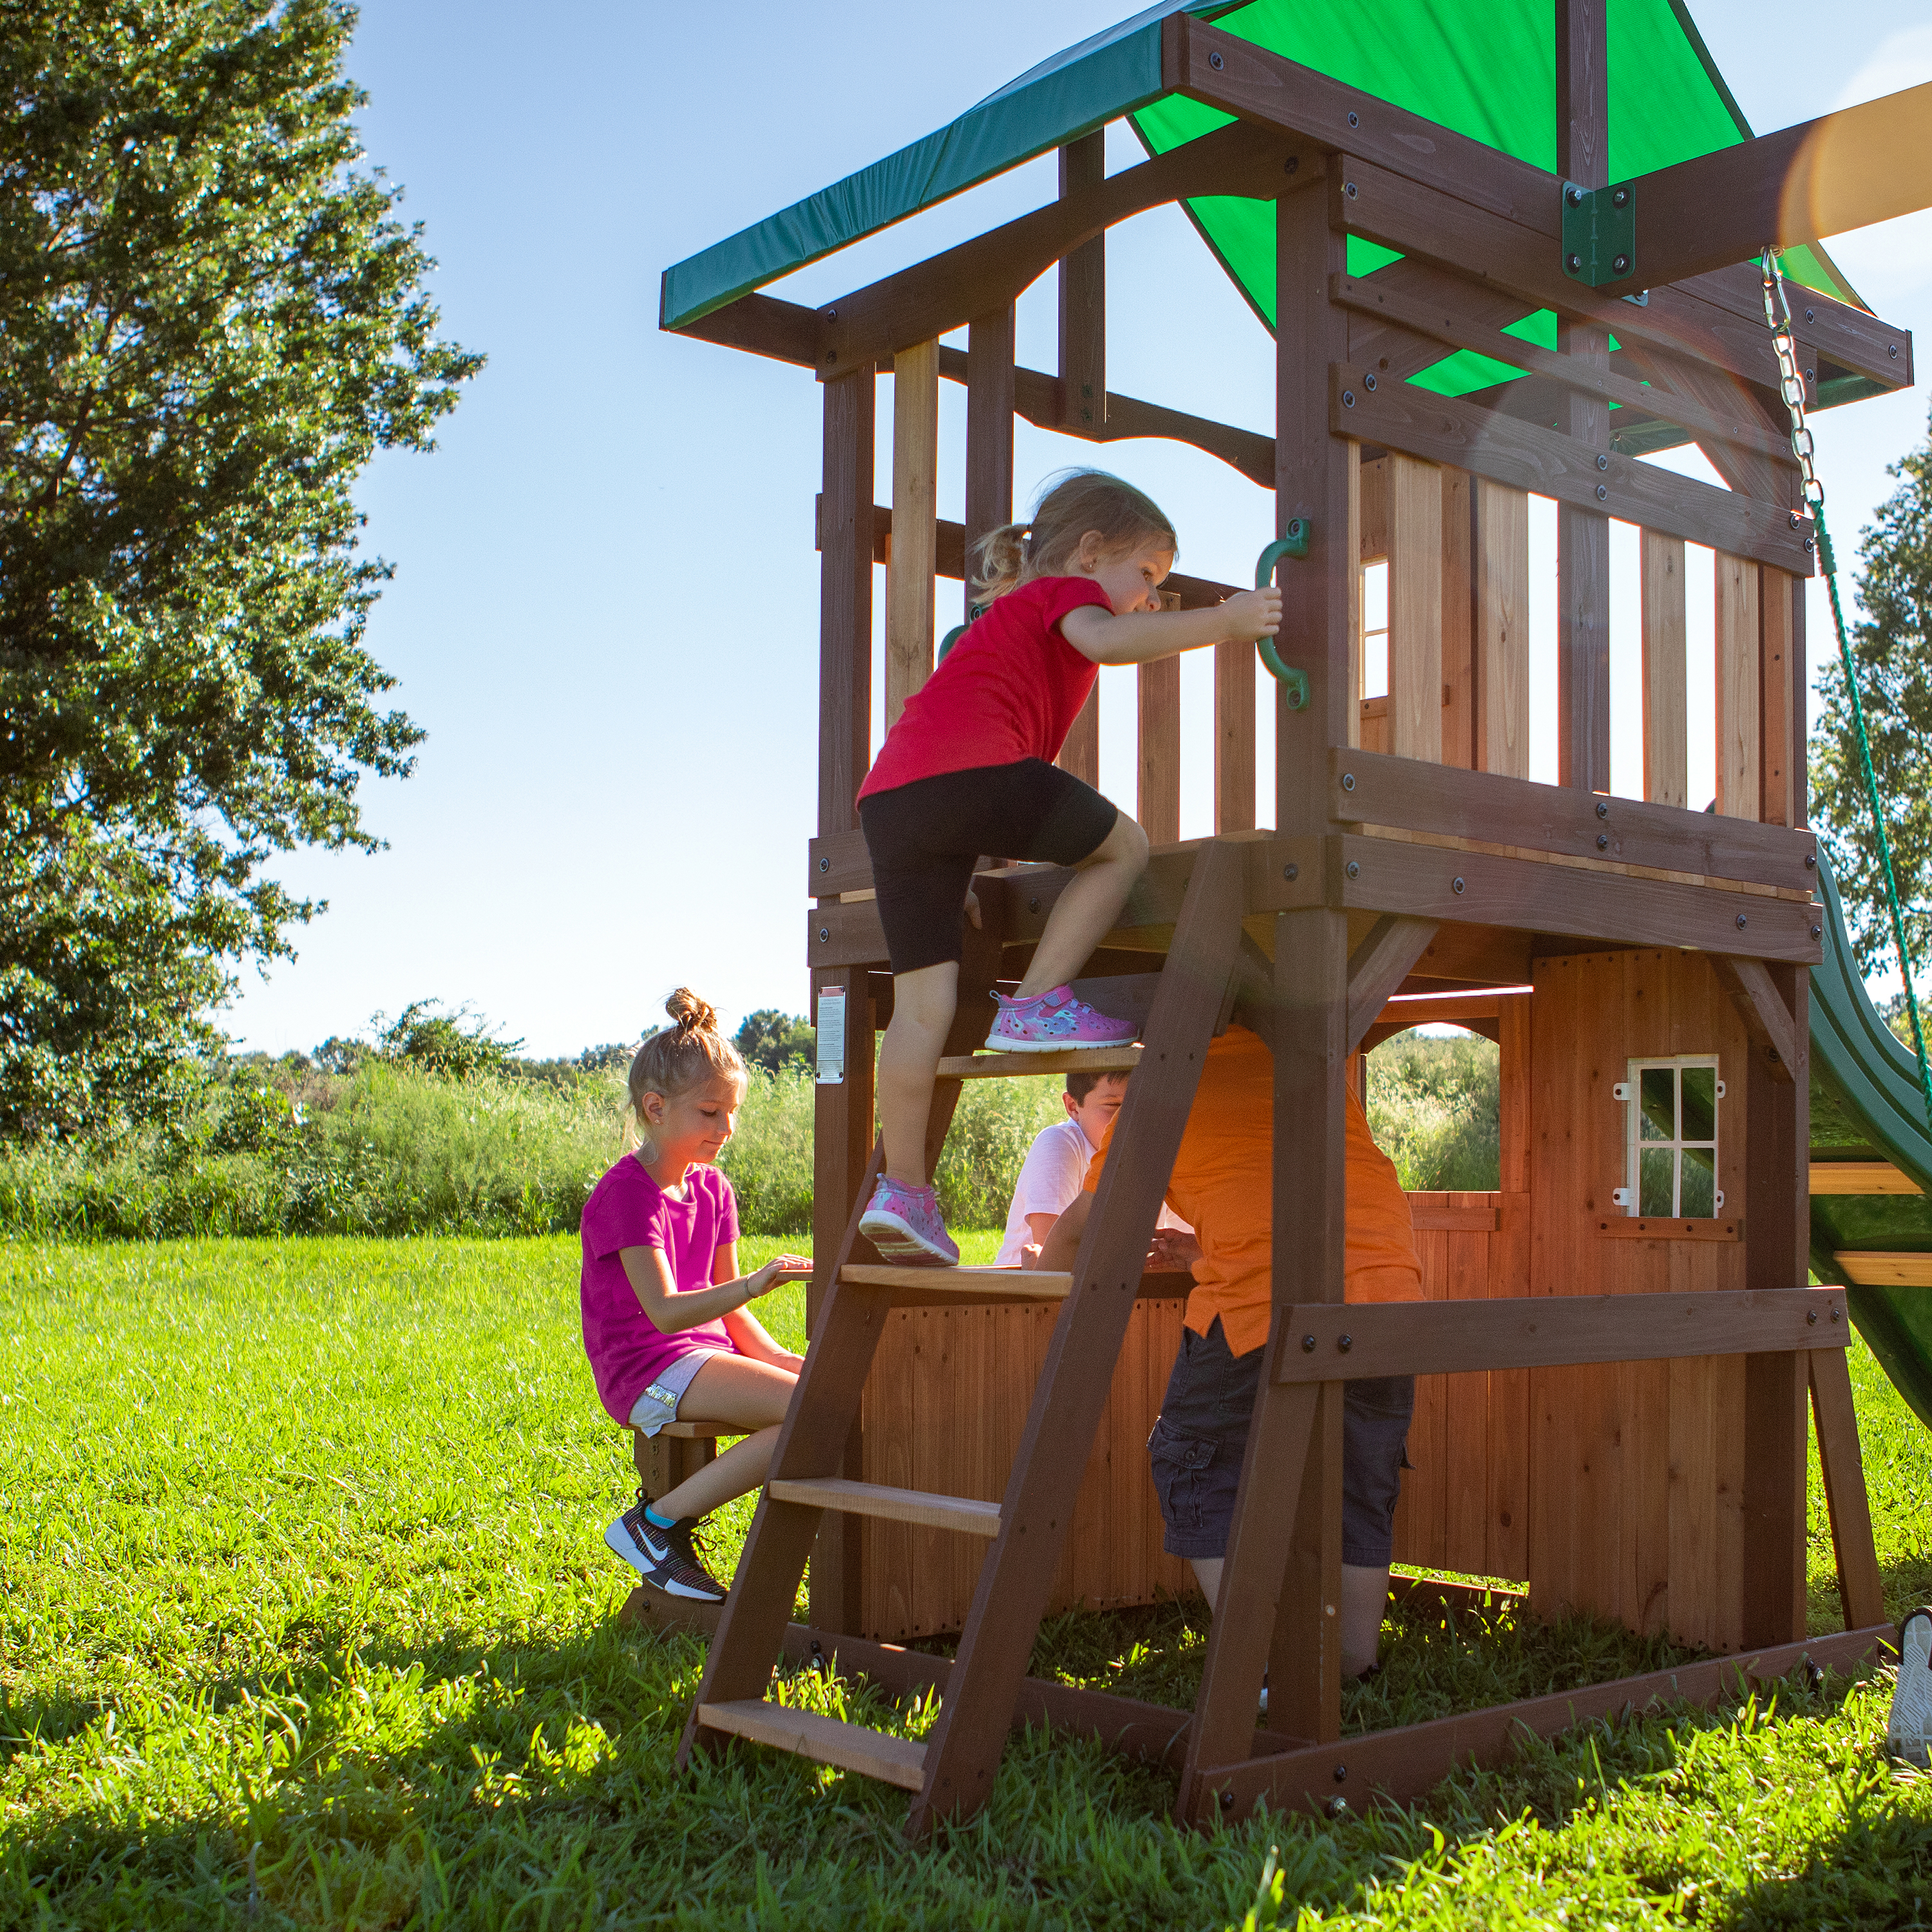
1792,385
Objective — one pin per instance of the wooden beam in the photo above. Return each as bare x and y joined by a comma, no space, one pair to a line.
1880,1268
1428,882
1736,637
1860,1177
1367,788
1765,470
1666,687
1234,738
1407,1764
1436,304
1081,753
1083,293
935,296
1442,429
1845,170
989,428
845,602
1780,699
1458,652
1157,767
1366,1340
912,567
1415,609
1502,620
1767,1019
1382,962
1861,1586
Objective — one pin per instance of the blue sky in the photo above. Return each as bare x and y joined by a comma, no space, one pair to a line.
604,609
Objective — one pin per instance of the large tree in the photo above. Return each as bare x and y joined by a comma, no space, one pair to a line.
1891,654
211,318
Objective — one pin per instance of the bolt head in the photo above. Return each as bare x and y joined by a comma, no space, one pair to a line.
1602,840
1290,872
1336,1807
1033,905
1457,884
1810,545
1602,493
1351,190
1817,932
1308,1345
1344,1343
824,934
1354,119
1368,380
1621,198
1603,461
1574,196
1353,869
1811,1318
1215,62
1602,810
1348,781
1288,166
1620,264
1341,1773
825,865
1810,860
1740,922
1892,349
1573,263
1227,1800
1810,315
1348,399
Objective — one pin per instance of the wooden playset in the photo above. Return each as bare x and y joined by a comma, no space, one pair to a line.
1616,1345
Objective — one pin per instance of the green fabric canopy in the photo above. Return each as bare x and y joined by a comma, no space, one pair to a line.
1488,72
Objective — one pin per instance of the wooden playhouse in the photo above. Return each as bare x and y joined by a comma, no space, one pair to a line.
1617,1346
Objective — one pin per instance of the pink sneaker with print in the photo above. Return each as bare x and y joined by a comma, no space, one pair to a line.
1052,1022
903,1223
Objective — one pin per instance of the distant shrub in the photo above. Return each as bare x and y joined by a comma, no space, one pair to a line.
459,1044
775,1041
1434,1107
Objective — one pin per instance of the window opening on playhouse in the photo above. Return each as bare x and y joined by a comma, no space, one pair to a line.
1670,1113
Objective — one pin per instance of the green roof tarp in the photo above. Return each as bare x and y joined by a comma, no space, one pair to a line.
1488,72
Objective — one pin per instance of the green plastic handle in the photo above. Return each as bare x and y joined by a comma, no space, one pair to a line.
1293,683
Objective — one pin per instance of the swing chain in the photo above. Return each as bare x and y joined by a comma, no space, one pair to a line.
1792,385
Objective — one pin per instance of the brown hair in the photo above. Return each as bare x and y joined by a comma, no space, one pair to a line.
1079,1085
1071,503
684,1054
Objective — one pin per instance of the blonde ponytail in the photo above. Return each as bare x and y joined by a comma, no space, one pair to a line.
1071,503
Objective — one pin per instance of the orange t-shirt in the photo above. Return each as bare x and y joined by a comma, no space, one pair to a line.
1223,1186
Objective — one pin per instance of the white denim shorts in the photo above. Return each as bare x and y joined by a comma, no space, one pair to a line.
658,1403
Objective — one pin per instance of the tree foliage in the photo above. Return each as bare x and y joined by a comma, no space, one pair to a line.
775,1040
1891,650
459,1044
211,318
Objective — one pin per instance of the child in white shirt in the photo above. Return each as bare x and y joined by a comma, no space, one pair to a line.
1056,1166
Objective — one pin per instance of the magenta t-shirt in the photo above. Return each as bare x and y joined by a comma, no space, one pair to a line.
627,1209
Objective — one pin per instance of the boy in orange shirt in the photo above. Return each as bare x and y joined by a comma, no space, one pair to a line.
1223,1183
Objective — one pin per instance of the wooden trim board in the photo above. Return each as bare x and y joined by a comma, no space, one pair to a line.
1860,1177
1870,1269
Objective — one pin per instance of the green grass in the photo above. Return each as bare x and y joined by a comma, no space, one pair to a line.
301,1577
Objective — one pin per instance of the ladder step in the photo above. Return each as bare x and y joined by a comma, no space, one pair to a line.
921,1506
1006,1284
824,1740
1075,1059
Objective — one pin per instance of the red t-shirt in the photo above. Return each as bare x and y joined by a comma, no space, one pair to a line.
1010,688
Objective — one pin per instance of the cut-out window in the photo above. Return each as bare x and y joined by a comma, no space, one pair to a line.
1375,630
1671,1109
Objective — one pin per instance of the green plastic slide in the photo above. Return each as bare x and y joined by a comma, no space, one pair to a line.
1866,1105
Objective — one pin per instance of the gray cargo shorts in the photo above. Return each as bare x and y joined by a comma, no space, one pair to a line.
1202,1434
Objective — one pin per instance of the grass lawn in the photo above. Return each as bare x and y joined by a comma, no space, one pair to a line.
306,1618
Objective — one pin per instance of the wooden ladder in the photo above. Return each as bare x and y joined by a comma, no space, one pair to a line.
953,1771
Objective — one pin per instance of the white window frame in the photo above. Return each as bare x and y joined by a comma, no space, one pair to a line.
1629,1092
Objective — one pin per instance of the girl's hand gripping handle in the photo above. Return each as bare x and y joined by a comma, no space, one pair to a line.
1293,683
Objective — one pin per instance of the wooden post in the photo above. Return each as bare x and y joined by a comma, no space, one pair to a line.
1666,688
1459,661
842,1114
989,429
1234,738
1583,536
1780,698
1158,769
1083,299
911,568
845,601
1081,754
1737,643
1501,563
1415,609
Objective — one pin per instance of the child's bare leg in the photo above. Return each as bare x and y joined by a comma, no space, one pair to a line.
923,1002
737,1393
1081,917
1365,1590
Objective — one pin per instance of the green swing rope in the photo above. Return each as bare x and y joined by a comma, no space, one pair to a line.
1793,389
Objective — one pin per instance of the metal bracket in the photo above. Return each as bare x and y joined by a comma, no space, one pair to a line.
1599,233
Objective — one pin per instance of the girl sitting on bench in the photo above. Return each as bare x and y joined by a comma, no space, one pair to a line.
665,1322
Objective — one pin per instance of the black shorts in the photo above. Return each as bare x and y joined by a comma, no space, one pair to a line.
925,837
1202,1435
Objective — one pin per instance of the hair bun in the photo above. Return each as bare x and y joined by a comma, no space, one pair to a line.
691,1014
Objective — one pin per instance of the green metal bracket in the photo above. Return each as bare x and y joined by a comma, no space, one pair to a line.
1599,233
1293,543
